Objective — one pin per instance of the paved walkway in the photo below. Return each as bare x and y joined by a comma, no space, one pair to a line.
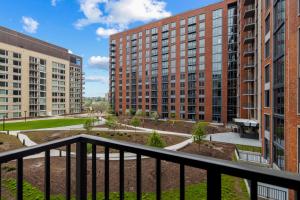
233,138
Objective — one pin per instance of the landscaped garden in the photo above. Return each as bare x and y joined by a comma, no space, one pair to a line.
170,125
232,188
39,124
139,138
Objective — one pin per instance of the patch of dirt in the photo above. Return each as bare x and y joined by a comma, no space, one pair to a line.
8,142
175,126
211,149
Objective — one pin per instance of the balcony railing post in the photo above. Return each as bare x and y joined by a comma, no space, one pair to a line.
81,171
253,189
213,185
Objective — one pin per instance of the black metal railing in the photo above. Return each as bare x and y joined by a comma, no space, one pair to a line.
214,167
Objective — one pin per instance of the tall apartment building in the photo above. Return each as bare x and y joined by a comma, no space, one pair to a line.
190,65
233,59
37,78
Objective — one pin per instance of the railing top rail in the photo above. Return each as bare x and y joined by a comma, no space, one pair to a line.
265,175
28,151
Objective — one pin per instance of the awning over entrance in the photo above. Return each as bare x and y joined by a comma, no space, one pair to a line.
247,128
246,122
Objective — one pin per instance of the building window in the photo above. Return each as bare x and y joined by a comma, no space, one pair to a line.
267,98
267,49
267,24
267,149
267,4
267,74
267,122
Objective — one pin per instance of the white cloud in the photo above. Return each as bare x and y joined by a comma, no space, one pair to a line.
99,62
29,25
70,51
117,15
53,2
105,33
101,79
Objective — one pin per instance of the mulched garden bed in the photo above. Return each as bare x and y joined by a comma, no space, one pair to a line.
139,138
175,126
34,171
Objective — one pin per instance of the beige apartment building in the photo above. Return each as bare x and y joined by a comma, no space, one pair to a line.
37,78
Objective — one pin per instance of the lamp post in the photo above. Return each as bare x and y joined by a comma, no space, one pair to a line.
3,123
25,114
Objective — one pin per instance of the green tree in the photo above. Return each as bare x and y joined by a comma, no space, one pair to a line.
155,140
173,117
111,122
88,125
155,117
135,121
198,133
100,107
141,114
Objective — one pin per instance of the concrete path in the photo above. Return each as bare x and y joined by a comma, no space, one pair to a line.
233,138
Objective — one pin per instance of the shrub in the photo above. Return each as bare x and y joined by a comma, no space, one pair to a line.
135,122
132,112
155,140
88,125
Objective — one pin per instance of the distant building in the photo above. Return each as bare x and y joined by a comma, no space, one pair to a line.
37,78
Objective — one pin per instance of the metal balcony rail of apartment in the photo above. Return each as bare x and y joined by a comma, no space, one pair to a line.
214,167
249,11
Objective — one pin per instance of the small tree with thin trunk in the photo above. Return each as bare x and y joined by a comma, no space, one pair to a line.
135,121
88,125
111,122
141,114
155,140
173,117
155,117
198,133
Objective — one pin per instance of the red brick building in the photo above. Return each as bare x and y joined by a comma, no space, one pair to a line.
233,59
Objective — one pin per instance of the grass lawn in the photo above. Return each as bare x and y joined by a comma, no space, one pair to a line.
249,148
232,189
38,124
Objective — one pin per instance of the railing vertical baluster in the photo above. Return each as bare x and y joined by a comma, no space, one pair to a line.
106,175
94,174
68,172
47,175
0,181
138,177
253,189
213,185
121,175
81,171
20,179
182,182
158,179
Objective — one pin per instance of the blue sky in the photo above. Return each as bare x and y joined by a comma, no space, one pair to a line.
83,26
